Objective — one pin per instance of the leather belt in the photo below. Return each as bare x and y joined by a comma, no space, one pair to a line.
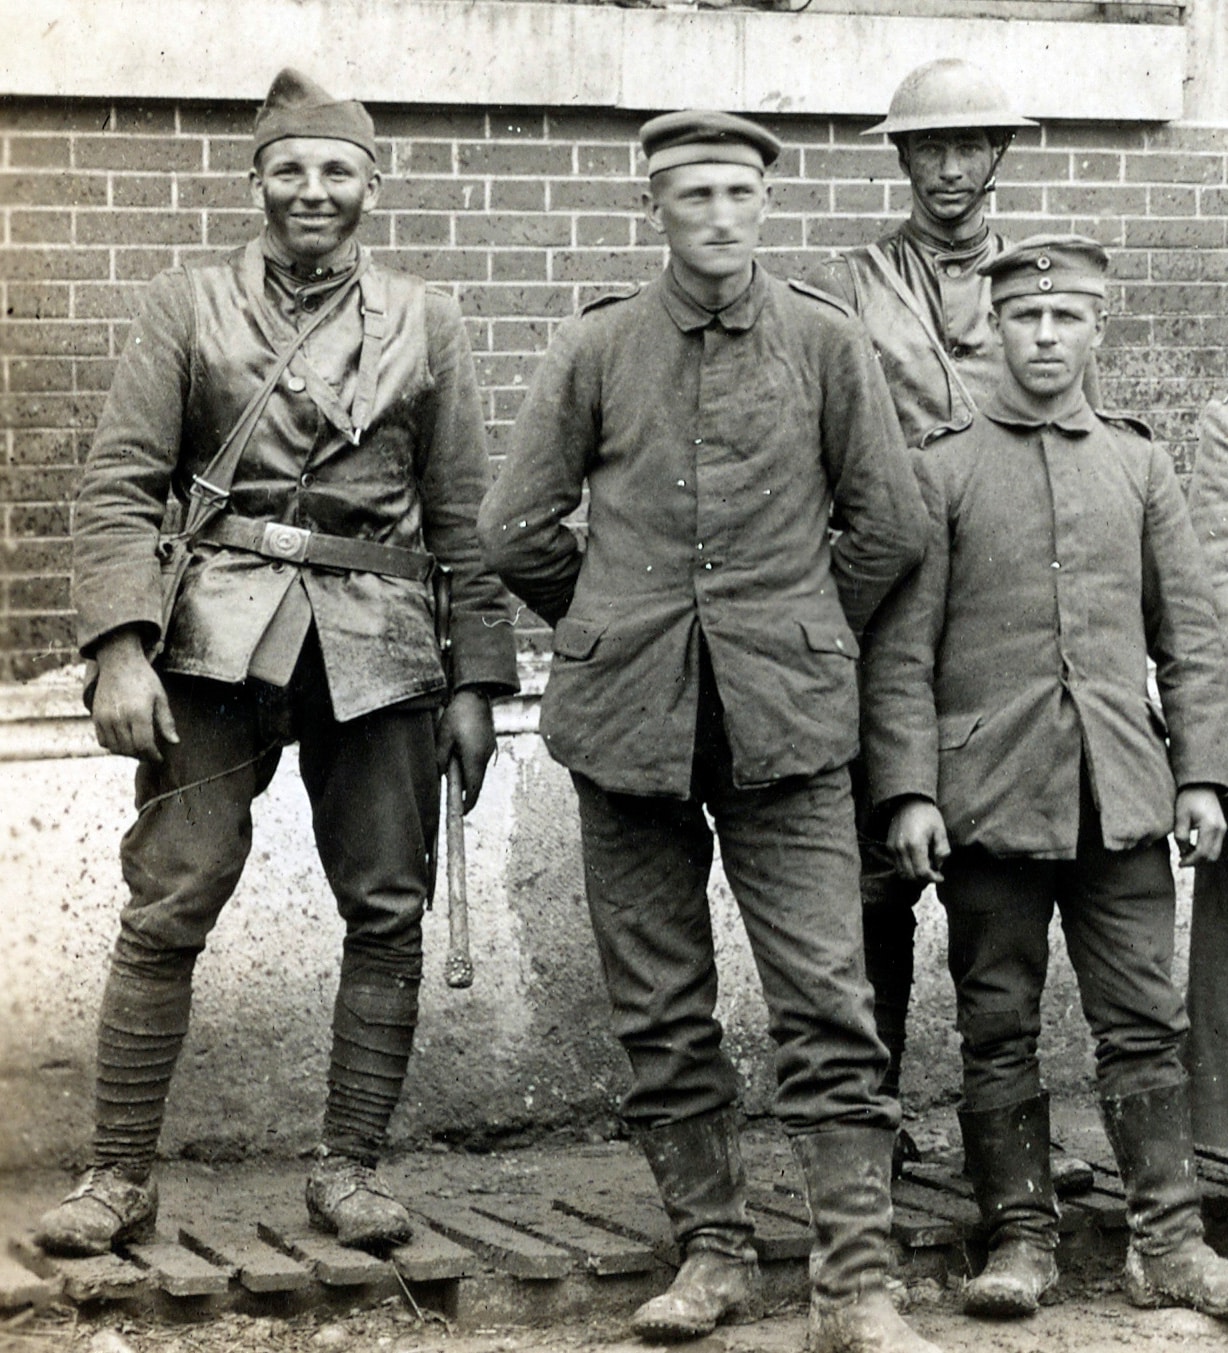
294,545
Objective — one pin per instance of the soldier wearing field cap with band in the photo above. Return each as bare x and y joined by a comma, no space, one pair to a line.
1010,735
704,649
318,417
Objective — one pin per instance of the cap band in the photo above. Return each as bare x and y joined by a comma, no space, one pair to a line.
705,152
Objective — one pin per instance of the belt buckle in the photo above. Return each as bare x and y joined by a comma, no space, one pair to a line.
285,542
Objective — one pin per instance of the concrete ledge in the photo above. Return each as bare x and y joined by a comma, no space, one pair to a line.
565,55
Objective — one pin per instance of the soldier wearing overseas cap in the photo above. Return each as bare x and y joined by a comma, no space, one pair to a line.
920,292
704,646
348,395
1009,734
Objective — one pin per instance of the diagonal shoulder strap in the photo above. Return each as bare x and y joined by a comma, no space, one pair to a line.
211,488
896,282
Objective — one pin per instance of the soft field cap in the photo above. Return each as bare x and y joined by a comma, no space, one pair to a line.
297,106
698,137
1046,263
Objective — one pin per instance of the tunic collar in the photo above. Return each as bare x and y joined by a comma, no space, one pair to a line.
736,317
1077,421
965,251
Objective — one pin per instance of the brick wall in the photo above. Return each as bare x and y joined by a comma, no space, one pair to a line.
524,217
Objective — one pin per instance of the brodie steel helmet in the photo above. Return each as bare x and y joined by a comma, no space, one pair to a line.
948,93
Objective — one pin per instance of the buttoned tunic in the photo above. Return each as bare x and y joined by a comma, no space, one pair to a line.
1060,556
413,478
717,450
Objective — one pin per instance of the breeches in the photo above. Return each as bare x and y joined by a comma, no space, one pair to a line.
1117,910
789,853
373,787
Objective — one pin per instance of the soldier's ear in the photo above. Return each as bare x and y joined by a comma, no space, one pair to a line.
255,185
652,212
371,196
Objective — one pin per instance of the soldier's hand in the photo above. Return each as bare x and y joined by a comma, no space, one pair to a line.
918,841
132,716
1200,825
467,732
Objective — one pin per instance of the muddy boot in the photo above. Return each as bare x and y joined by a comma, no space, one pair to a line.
1168,1262
698,1168
847,1173
345,1198
373,1034
104,1210
1006,1155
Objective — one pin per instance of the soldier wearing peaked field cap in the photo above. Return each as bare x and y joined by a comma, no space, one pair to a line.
1011,738
675,139
1048,263
920,292
302,613
703,663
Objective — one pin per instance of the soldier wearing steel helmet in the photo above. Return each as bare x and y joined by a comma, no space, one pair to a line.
920,293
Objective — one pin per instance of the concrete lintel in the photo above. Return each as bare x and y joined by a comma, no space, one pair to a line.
480,52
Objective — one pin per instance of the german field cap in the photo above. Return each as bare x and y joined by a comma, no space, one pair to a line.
699,137
296,106
1046,263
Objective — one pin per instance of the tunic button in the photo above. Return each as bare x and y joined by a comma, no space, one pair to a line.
307,480
311,302
954,270
1055,564
296,383
699,441
959,352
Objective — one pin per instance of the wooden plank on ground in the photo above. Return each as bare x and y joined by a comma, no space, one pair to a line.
177,1271
257,1266
431,1257
937,1202
333,1264
19,1286
600,1250
779,1237
104,1277
637,1218
508,1249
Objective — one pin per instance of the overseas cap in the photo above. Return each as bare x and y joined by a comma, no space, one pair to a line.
948,93
297,106
706,138
1047,263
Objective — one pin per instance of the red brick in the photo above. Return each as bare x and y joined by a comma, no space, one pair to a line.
504,122
420,228
53,115
604,265
1213,201
497,158
519,228
224,155
39,374
142,190
41,631
617,126
613,231
504,369
139,227
151,118
94,373
441,124
855,198
1214,264
521,302
47,446
606,160
1189,169
32,521
41,338
432,194
212,191
134,154
40,152
824,232
1101,135
594,195
515,335
26,264
139,265
46,411
53,190
1085,199
35,556
1174,136
108,300
425,158
48,593
225,229
1171,201
518,265
33,300
1180,233
226,119
861,164
506,404
40,227
1024,164
1174,265
782,232
440,265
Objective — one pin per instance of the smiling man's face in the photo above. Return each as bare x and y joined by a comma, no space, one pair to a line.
314,192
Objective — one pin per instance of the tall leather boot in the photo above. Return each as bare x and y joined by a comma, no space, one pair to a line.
697,1164
848,1185
141,1028
1168,1263
1006,1155
373,1032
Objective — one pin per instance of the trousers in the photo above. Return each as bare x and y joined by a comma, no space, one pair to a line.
789,852
1117,909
